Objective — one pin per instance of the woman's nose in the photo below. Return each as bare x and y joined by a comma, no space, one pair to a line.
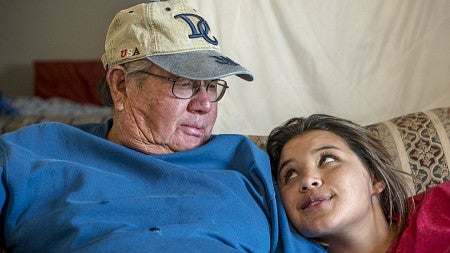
310,182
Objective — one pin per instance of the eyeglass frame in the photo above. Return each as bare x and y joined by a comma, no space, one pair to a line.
194,92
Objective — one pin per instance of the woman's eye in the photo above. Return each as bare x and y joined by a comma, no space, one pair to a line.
290,174
326,159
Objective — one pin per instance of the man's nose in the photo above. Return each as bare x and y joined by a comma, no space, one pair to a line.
200,102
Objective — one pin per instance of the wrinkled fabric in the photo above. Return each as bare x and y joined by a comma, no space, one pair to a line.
68,189
428,227
366,61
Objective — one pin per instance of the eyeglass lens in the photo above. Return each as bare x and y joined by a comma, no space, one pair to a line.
187,88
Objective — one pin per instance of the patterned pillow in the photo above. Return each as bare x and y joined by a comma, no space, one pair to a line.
420,145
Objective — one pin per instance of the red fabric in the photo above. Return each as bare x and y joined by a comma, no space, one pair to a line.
74,80
428,228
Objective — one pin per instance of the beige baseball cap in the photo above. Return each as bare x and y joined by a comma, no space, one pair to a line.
172,35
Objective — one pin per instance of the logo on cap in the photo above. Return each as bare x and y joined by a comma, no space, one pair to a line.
201,30
225,61
129,52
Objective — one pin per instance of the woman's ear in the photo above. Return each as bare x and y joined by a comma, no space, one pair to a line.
116,81
378,186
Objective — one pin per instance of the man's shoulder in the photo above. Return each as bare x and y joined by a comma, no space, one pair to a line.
38,128
97,129
48,132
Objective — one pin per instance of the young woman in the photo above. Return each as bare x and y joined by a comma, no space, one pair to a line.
341,189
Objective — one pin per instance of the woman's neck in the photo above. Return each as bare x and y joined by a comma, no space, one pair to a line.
376,240
373,234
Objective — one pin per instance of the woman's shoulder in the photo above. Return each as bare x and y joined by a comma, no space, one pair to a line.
429,222
437,193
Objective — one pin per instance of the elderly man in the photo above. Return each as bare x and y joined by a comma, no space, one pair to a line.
153,178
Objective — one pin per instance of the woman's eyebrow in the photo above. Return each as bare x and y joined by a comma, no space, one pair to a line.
325,147
282,165
313,151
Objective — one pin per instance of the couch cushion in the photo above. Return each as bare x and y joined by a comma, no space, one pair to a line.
419,144
74,80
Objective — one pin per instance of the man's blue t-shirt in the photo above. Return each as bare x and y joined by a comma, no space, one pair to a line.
69,189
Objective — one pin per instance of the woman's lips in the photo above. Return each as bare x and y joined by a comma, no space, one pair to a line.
315,202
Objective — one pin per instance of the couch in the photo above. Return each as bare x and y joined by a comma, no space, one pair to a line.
419,143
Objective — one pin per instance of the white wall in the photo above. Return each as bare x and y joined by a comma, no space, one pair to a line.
363,60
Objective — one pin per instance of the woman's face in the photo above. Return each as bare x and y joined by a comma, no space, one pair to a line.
325,188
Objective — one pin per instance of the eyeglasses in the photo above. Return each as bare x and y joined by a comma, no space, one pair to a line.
185,88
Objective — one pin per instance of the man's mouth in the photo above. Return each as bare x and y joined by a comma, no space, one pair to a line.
193,130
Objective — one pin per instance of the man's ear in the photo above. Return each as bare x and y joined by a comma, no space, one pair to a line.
116,81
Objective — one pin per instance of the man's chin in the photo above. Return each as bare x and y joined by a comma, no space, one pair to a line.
191,141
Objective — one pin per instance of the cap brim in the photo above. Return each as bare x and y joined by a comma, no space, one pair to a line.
201,65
